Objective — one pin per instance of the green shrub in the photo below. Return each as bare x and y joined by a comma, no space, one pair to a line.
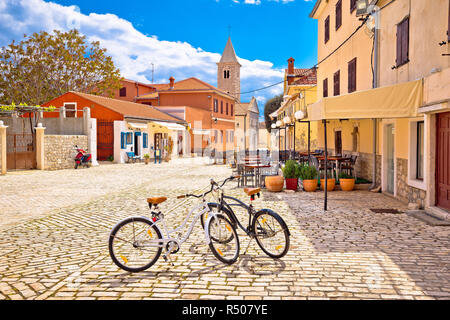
344,175
111,158
291,170
308,172
146,156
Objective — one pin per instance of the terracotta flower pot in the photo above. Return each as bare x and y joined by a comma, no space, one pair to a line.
292,184
274,183
331,183
310,185
147,160
347,184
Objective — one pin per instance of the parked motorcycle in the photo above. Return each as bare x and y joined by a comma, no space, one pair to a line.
82,158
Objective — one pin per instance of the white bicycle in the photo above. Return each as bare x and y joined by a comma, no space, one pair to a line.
136,243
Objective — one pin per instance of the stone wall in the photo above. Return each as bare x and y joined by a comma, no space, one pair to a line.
404,191
364,166
59,150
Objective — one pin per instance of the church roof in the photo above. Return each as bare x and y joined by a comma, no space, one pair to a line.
229,55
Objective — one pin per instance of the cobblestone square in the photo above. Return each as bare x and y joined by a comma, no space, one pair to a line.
55,226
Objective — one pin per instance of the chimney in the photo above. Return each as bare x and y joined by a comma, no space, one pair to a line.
290,75
172,82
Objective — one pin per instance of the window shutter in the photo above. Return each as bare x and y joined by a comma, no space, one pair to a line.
122,140
327,29
221,107
145,143
405,41
325,88
337,84
352,5
231,110
448,31
352,76
399,45
338,14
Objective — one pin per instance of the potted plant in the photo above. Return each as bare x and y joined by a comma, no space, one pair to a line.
274,183
331,183
346,181
308,174
291,172
147,158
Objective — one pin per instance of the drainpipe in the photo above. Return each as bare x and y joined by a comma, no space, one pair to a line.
375,85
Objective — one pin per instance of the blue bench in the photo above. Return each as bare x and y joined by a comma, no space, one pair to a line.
132,157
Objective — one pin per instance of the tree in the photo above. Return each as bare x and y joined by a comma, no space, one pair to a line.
270,106
44,66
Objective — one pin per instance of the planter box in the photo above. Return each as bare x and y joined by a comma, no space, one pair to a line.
310,185
274,183
292,184
330,184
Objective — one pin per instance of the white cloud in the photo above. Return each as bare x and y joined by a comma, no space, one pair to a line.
132,51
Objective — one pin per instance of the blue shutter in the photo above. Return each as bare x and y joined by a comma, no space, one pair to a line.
145,140
122,140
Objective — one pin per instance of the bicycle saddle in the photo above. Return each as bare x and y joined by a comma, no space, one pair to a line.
156,200
252,191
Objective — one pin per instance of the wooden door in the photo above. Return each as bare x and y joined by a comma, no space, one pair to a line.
20,152
105,140
443,161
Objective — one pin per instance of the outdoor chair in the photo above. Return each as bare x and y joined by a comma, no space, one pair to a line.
132,157
320,166
349,165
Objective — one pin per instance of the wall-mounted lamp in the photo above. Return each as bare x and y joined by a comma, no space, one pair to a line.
287,120
299,115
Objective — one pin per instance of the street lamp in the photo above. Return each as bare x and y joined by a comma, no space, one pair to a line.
299,115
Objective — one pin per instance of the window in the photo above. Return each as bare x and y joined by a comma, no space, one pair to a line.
129,137
327,29
338,142
338,14
216,105
226,110
337,84
71,110
325,88
221,136
352,76
403,42
231,109
226,74
221,107
123,92
420,150
352,5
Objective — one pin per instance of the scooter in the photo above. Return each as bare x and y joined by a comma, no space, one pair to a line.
82,158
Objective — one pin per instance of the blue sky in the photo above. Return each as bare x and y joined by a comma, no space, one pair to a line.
183,38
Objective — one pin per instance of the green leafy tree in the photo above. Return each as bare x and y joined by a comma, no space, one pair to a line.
270,106
44,66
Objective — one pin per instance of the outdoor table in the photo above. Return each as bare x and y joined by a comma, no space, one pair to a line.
337,159
257,170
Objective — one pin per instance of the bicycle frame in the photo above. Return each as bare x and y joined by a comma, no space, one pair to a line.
238,203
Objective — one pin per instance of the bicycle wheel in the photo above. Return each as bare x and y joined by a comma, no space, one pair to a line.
131,244
224,240
271,233
214,208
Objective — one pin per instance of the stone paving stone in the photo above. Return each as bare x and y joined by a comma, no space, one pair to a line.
57,247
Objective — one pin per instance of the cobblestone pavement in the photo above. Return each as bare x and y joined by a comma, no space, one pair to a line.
59,251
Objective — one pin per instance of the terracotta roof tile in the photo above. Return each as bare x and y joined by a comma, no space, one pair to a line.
129,109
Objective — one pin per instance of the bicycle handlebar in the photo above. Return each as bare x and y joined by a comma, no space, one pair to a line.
213,183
